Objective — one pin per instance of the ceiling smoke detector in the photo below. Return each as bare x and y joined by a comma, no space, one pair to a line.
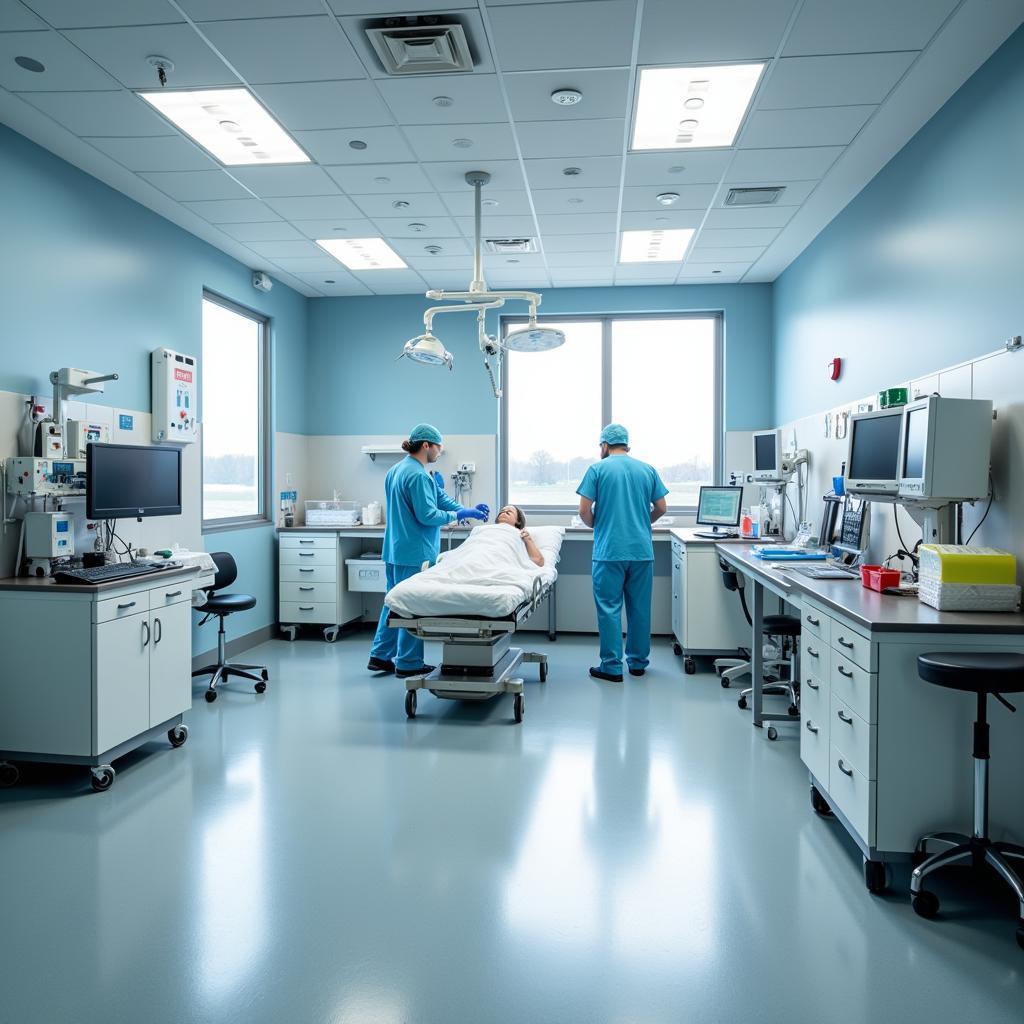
754,196
510,245
566,97
420,45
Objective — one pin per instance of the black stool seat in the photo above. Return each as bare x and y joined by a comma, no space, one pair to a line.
973,673
781,625
227,603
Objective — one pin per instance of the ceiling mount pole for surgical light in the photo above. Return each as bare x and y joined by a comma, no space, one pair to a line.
477,179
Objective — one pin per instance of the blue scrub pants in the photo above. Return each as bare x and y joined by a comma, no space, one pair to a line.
397,645
632,582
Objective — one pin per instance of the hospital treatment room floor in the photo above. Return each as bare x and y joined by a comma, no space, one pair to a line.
631,854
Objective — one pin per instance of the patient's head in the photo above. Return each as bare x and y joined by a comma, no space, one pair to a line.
512,515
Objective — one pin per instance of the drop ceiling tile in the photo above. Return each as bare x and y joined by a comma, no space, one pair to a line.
123,52
66,67
520,279
645,272
593,34
308,105
733,237
522,261
541,139
315,208
445,280
791,164
596,172
808,126
794,192
438,143
270,231
711,274
336,227
215,10
576,223
830,81
451,177
739,254
324,264
402,227
695,268
381,179
584,277
749,217
392,282
675,33
303,49
578,243
691,197
416,205
837,26
475,99
454,251
600,258
195,185
167,153
286,181
440,264
667,219
15,17
233,211
331,146
605,94
291,249
576,200
334,282
107,114
625,282
510,203
103,13
390,6
499,226
670,169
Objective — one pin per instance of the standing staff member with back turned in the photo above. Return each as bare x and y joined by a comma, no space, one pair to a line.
417,508
621,497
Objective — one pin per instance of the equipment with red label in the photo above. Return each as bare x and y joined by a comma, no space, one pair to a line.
175,396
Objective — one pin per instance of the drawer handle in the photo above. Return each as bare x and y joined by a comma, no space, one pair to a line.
813,685
307,570
812,652
125,607
813,621
843,642
305,607
305,542
844,672
844,717
306,554
307,588
842,767
173,593
811,727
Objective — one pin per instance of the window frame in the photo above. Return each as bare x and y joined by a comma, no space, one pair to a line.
606,319
262,517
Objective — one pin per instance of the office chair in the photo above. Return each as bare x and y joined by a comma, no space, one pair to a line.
223,605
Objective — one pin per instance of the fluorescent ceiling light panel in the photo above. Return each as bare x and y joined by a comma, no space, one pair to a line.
363,253
654,246
228,123
694,107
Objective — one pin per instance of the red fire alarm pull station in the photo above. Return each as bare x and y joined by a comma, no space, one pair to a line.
835,368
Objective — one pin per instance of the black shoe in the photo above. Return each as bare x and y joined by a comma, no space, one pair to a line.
381,665
607,676
407,673
637,671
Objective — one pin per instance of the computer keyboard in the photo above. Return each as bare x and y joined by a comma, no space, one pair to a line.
110,573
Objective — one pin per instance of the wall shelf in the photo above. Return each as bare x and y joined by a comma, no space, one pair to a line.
373,450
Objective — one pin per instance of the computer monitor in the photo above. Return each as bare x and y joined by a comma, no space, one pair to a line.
767,455
127,481
873,453
719,507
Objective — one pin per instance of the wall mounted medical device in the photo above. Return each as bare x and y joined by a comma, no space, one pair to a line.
48,535
55,477
175,378
79,434
427,348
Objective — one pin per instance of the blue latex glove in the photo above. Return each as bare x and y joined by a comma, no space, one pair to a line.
485,510
438,479
469,513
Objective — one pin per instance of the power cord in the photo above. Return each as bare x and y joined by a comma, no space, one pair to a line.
988,507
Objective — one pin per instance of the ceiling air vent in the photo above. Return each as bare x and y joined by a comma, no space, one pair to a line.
420,45
510,246
754,196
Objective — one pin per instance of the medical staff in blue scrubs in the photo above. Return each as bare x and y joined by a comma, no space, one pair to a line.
621,497
417,507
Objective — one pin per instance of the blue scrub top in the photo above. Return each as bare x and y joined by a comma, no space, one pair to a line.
416,511
623,490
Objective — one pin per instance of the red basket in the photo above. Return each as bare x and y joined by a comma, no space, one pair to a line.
877,577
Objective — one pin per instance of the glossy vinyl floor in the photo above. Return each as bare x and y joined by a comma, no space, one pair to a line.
630,854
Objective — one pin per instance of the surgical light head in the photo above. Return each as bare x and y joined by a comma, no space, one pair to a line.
533,338
427,349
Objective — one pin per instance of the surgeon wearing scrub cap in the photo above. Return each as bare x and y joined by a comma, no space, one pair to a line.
621,497
417,507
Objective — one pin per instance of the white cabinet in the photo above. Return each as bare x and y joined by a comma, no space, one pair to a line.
121,705
170,661
311,582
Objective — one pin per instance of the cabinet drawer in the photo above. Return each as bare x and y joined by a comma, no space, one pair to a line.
815,624
309,573
295,540
854,737
309,556
325,612
309,593
170,593
119,607
852,685
852,793
815,655
814,745
854,646
814,692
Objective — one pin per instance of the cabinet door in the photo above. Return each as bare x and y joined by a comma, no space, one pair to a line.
170,663
121,680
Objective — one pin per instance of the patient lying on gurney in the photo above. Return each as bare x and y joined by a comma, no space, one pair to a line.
512,515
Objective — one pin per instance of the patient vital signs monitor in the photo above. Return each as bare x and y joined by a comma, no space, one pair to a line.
873,454
719,507
767,455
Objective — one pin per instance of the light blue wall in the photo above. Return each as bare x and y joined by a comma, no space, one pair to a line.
924,268
91,278
356,387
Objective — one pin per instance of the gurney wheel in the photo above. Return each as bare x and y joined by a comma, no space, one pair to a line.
410,703
518,705
543,671
689,666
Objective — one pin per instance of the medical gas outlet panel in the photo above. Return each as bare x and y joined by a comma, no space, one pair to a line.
175,396
46,476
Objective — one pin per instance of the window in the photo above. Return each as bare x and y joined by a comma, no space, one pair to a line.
233,379
658,375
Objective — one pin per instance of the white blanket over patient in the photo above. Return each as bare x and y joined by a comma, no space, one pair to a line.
489,574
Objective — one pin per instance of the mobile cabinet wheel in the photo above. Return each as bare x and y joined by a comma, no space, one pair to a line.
819,803
211,696
875,876
677,650
9,774
742,703
102,778
793,711
689,666
925,904
518,707
725,683
177,735
543,671
260,687
773,733
410,703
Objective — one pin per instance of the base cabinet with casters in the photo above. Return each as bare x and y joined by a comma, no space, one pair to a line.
92,672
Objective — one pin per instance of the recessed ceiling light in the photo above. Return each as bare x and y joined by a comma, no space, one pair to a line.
693,103
357,144
442,101
572,172
417,227
566,97
654,246
362,253
229,123
382,180
725,91
30,64
462,143
432,249
689,124
400,204
328,280
489,202
667,198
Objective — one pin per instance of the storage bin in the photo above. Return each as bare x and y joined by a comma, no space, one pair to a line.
877,577
366,575
332,513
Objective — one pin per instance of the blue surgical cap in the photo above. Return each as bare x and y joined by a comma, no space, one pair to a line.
425,432
615,433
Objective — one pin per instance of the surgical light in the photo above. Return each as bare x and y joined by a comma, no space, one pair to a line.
427,349
533,338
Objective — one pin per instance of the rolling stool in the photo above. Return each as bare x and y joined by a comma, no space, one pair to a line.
981,674
785,627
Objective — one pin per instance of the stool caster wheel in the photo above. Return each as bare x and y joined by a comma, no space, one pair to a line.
773,733
794,711
410,703
102,778
819,803
518,707
677,650
742,703
211,696
875,876
9,774
260,687
926,904
689,666
177,735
